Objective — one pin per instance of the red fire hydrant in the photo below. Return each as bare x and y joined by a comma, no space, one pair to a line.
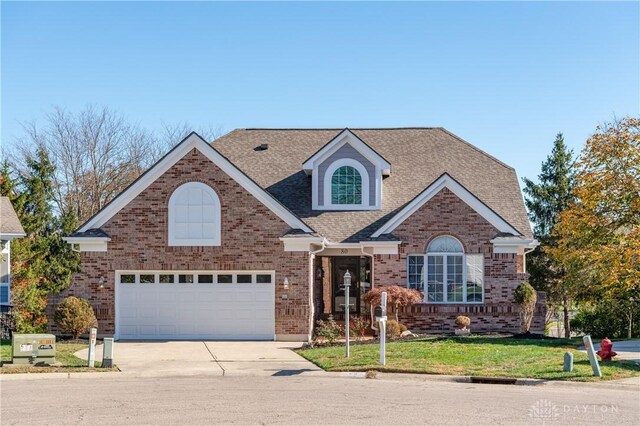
606,350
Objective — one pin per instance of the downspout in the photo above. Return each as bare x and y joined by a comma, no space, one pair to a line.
524,258
312,256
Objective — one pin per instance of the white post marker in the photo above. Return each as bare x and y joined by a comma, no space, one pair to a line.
107,352
347,284
591,352
93,334
383,329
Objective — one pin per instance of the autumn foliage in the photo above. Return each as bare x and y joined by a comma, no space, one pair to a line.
599,234
397,297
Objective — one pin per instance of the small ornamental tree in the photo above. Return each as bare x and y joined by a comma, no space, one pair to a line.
397,297
75,315
525,296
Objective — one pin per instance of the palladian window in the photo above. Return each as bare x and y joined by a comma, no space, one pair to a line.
346,186
450,275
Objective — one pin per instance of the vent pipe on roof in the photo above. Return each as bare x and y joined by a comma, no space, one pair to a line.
264,146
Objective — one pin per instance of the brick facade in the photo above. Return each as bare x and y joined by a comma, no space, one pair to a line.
446,214
250,241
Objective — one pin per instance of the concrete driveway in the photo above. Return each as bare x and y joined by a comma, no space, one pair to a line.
197,358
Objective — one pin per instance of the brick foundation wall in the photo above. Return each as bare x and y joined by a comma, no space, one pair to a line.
250,241
446,214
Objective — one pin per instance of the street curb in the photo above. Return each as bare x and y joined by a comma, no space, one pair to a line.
519,382
7,377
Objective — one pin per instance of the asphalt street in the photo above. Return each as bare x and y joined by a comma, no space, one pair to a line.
298,400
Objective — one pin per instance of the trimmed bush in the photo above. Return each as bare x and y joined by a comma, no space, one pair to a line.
394,329
329,330
525,296
358,327
75,316
463,322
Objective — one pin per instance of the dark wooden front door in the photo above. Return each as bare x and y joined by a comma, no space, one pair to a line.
342,264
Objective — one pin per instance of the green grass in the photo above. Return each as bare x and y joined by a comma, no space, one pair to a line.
64,355
472,356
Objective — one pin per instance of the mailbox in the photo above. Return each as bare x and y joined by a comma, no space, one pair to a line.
36,349
378,312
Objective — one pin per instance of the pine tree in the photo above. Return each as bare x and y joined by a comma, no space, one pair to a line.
42,263
545,201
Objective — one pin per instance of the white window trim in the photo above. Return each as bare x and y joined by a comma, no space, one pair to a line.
328,204
217,223
6,251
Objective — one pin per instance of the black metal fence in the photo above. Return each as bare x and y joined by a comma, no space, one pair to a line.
7,322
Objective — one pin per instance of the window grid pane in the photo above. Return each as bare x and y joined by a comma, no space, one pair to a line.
346,186
415,274
475,272
454,279
435,278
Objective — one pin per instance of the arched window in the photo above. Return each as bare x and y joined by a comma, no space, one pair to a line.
451,276
445,269
346,186
194,216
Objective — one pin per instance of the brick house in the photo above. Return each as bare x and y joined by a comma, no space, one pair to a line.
249,237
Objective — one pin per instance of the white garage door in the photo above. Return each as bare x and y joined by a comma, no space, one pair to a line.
223,305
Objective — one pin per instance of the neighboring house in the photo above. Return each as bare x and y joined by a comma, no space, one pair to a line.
250,237
10,228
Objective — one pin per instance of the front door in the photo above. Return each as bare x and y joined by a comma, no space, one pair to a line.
342,264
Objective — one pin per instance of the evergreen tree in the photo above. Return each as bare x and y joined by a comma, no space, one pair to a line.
42,262
545,201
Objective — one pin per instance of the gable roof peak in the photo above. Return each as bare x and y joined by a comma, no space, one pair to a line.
346,136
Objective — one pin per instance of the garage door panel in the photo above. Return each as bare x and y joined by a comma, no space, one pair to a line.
196,311
167,330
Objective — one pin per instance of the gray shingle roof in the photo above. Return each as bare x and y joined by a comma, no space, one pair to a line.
91,233
9,222
418,156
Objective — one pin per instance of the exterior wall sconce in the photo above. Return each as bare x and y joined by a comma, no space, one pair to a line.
101,282
286,283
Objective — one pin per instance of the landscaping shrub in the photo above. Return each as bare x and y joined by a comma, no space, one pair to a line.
525,296
75,315
394,329
608,319
462,321
329,330
397,297
358,327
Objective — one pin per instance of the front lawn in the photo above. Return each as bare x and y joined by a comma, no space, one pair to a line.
472,356
64,355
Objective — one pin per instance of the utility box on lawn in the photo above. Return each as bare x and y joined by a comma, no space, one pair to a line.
34,349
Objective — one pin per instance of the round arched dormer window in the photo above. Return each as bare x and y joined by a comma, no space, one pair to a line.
194,216
346,185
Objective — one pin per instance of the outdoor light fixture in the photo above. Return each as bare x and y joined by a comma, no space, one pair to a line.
286,283
101,282
347,279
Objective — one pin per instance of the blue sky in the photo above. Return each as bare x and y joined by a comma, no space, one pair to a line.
505,76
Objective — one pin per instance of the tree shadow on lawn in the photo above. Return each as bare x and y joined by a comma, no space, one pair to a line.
546,343
505,341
